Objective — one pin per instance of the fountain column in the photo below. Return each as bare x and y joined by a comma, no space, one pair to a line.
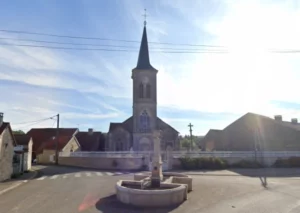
156,173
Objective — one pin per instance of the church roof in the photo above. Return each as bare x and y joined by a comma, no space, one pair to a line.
127,125
163,125
144,60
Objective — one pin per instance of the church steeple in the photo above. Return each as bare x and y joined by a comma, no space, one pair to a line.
144,60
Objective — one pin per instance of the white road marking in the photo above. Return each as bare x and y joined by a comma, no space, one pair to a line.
109,173
77,175
42,178
54,177
88,174
118,173
99,173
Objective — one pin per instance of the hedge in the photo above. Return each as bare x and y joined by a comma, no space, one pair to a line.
203,163
290,162
213,163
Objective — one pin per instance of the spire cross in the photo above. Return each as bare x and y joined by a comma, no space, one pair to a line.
145,16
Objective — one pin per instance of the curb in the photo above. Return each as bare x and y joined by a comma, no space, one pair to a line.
21,182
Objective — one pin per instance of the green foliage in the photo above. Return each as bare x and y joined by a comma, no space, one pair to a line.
185,141
290,162
246,164
203,163
213,163
18,132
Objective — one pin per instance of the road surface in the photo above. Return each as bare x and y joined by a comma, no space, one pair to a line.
69,190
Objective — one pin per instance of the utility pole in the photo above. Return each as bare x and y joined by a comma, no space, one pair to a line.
191,136
57,139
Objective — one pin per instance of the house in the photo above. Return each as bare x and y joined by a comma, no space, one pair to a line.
91,140
41,135
65,144
211,140
7,143
257,132
25,143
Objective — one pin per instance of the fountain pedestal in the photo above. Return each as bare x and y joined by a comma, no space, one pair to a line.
156,173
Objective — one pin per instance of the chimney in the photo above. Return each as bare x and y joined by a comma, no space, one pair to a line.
278,117
1,118
294,120
90,131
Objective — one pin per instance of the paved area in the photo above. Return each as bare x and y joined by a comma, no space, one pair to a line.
95,193
12,183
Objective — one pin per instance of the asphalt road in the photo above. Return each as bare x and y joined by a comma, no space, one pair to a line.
71,190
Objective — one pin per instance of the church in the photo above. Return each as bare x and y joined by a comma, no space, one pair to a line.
136,133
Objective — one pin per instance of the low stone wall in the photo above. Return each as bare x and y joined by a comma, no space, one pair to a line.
120,163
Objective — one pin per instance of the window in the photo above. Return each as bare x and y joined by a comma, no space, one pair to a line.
144,122
148,91
141,91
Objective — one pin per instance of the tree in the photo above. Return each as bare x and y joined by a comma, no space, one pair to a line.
18,132
185,142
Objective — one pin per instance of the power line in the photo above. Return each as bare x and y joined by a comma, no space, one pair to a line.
89,44
34,121
22,127
102,49
103,39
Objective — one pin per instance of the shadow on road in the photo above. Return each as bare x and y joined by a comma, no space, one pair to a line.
49,170
268,172
264,182
111,204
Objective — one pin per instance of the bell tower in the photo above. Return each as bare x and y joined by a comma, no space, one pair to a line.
144,98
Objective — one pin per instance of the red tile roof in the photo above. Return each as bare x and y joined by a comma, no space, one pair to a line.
50,144
41,135
7,125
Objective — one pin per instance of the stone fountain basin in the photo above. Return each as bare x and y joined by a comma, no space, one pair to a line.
167,195
169,177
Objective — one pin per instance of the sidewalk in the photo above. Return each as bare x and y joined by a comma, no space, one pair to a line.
13,183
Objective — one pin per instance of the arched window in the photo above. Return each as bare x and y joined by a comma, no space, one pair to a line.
144,122
141,91
148,91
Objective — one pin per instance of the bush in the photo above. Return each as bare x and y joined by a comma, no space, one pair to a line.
203,163
246,164
290,162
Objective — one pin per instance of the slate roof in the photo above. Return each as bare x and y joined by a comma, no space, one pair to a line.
41,135
22,139
89,142
144,60
127,125
3,127
162,125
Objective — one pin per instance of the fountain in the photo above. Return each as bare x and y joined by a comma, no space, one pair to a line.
157,188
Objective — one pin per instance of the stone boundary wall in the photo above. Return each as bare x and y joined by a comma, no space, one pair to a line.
111,163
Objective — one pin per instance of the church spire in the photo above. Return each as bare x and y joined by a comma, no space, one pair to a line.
143,60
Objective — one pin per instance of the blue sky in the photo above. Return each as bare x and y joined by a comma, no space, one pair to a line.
90,89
